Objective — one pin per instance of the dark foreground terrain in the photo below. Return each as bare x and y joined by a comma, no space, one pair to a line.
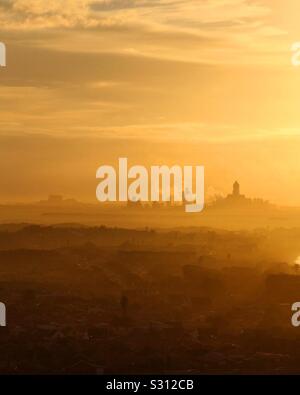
99,300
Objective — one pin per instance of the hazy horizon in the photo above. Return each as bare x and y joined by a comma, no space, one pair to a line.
161,82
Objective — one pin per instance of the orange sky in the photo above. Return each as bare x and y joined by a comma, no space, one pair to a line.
205,82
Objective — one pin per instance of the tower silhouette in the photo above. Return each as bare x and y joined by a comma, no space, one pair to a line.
236,189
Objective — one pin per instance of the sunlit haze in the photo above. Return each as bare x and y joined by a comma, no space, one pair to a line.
160,81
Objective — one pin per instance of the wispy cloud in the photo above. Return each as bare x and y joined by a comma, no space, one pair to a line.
189,30
159,68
